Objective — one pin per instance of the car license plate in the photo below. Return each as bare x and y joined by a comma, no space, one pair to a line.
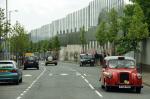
30,62
124,86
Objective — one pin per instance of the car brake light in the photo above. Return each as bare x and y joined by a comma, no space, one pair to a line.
14,71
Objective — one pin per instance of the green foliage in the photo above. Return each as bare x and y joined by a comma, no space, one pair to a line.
52,44
101,33
2,18
56,43
82,36
145,5
19,40
3,29
134,29
138,29
113,25
126,19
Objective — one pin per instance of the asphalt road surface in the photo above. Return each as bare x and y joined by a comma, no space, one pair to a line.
65,81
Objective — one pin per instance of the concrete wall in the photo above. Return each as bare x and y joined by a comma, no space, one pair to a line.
68,53
145,54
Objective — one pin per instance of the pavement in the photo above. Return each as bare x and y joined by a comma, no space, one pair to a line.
146,75
65,81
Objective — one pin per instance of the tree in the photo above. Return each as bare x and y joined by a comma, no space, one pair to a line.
3,29
145,5
138,30
123,43
126,19
113,28
101,34
82,38
55,43
20,40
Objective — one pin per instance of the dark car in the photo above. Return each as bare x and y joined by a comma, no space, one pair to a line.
51,60
9,72
31,62
87,59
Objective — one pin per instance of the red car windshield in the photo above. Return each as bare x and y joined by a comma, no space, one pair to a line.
121,63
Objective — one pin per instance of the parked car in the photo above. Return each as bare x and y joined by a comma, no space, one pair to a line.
9,72
87,59
31,62
51,60
120,72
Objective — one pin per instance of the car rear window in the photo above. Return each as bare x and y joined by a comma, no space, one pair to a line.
86,56
30,58
121,63
6,65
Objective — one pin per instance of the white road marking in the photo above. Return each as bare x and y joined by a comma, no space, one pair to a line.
78,74
63,74
27,75
24,91
85,75
27,89
21,94
50,74
18,97
98,94
86,81
91,86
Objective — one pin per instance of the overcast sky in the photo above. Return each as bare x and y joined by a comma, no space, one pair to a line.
35,13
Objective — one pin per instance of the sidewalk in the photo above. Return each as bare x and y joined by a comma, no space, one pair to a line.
146,78
146,75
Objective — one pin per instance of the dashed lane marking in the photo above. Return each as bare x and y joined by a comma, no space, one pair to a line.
78,74
85,75
50,74
63,74
98,94
29,87
90,85
27,75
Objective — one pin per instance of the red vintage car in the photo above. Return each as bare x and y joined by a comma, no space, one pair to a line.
120,72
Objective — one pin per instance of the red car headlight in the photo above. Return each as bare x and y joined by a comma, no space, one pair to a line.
139,76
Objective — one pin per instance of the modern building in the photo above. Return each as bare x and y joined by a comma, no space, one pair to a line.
87,17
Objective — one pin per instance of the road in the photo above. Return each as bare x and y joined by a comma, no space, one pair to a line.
65,81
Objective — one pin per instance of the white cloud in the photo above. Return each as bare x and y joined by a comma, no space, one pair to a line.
35,13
